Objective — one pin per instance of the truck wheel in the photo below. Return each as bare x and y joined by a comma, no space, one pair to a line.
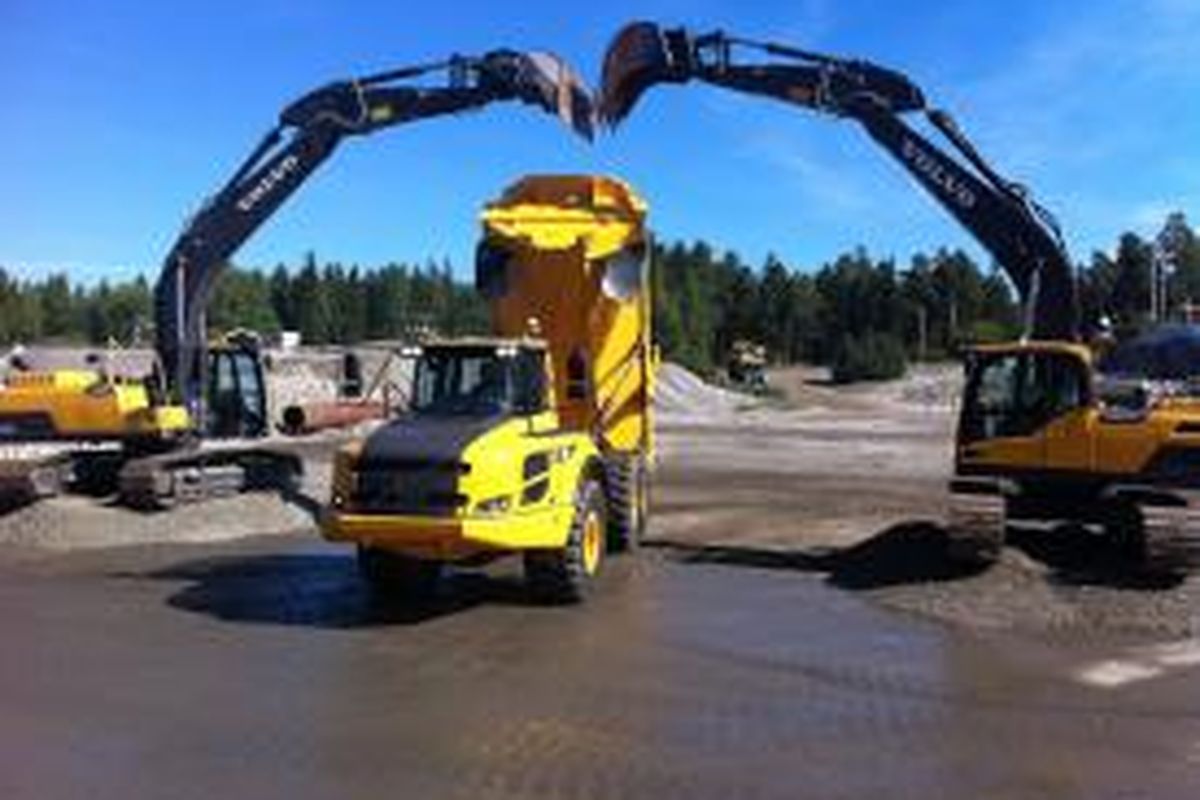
628,502
567,575
399,576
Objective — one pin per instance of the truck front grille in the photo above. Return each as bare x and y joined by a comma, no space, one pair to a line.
423,488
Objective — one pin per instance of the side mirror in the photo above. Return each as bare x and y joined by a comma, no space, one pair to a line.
625,273
491,270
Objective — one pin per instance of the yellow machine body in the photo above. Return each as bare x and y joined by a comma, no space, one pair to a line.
83,405
518,495
1085,436
1043,437
513,481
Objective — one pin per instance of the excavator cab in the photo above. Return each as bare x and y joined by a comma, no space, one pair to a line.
1018,400
237,393
1043,437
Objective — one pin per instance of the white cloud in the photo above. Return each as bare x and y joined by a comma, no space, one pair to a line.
832,187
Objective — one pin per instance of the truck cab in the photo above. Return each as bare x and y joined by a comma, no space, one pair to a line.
477,464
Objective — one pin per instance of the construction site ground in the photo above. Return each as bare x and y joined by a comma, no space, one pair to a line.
793,629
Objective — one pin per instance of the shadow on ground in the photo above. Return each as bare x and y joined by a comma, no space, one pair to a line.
11,502
911,552
318,590
917,552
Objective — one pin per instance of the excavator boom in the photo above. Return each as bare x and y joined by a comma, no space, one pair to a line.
1022,235
307,133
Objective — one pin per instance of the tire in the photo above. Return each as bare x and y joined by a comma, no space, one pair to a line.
628,500
392,575
568,575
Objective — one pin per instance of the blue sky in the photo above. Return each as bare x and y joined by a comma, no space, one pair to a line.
121,116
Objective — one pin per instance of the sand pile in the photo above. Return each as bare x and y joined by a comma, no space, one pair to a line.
931,385
682,396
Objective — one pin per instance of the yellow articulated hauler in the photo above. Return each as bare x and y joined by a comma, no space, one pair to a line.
535,440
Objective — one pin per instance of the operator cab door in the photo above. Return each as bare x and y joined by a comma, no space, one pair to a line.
1026,410
237,398
1069,404
996,431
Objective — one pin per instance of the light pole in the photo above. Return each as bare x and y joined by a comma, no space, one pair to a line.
1166,251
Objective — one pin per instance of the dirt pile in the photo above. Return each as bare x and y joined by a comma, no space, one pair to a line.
1053,584
76,522
681,396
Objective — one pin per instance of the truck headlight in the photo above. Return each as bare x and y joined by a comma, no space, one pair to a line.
494,505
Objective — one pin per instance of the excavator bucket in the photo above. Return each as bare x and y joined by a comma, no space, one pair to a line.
640,56
551,83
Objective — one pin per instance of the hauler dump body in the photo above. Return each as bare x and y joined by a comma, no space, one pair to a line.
537,439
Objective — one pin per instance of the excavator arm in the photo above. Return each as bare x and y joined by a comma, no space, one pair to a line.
308,132
1021,235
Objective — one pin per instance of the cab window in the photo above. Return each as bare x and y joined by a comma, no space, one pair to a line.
1060,384
1018,394
993,399
454,383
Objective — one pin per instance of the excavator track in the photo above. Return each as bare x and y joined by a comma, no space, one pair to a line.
26,480
1171,537
165,480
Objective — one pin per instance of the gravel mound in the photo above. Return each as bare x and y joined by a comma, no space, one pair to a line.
68,522
71,522
1062,589
681,396
1062,584
932,385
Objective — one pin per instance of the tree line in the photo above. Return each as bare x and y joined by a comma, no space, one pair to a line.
327,303
867,317
863,315
853,308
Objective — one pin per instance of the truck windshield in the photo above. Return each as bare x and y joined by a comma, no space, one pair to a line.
466,383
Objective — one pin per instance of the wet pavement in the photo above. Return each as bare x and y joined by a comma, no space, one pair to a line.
262,669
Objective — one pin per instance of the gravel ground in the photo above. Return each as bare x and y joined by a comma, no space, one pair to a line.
850,482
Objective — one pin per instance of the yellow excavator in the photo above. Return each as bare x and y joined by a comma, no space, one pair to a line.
537,440
182,430
1043,435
